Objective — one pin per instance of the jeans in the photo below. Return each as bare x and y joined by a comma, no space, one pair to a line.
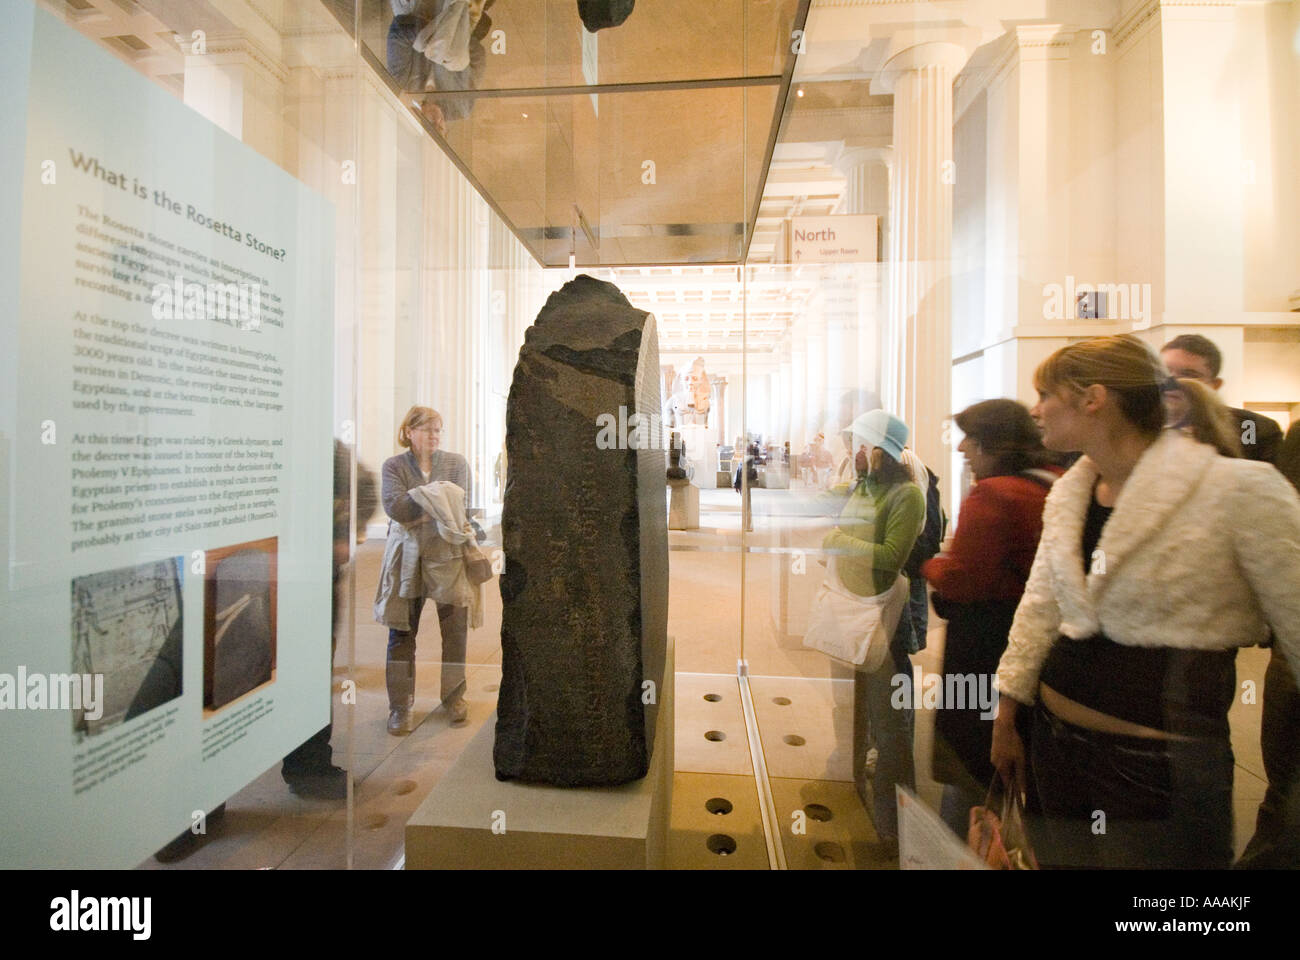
891,727
408,67
454,623
918,609
1131,802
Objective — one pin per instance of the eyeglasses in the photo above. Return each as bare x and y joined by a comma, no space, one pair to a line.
1177,374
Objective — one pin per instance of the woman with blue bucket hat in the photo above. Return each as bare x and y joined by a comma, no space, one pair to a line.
876,530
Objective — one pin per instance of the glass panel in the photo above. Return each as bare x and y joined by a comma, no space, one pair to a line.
189,342
980,269
373,255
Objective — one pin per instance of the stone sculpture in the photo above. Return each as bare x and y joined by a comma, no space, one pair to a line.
585,586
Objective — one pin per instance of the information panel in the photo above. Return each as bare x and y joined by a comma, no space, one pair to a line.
165,457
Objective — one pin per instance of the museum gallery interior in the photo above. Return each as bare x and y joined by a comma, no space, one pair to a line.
754,434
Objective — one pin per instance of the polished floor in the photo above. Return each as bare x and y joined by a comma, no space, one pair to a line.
801,707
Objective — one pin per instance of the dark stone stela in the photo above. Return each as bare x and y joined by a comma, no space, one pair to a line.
585,586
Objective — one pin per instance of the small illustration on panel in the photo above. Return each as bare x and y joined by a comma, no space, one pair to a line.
239,633
127,625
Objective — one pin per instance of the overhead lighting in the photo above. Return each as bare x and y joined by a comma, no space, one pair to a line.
799,92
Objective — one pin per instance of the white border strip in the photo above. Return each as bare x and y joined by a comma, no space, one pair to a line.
766,806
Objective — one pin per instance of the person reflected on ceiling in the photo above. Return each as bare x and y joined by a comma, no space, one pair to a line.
438,45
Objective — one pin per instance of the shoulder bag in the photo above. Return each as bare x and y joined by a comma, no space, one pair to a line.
478,568
855,630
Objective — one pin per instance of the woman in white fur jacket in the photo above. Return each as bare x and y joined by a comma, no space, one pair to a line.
1160,556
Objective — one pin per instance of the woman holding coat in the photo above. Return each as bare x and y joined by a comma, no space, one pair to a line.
437,547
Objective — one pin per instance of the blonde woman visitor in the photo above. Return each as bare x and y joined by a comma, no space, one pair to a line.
423,463
1159,558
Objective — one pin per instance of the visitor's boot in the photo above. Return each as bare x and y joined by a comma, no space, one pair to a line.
458,710
401,695
188,842
884,850
399,722
328,783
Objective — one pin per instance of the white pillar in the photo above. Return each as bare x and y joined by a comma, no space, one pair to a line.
455,297
1200,91
239,86
850,292
917,358
866,179
383,309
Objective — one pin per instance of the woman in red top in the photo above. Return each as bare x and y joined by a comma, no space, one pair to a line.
977,584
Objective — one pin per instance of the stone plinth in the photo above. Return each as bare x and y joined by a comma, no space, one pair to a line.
470,821
684,507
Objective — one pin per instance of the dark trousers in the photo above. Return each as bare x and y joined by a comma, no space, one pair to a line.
454,623
315,753
884,709
1276,843
1111,801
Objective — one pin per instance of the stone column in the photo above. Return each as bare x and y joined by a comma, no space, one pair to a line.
917,360
1049,242
454,296
866,179
860,298
239,85
720,411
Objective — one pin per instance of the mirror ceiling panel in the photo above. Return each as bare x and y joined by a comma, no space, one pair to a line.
642,143
542,43
658,177
645,143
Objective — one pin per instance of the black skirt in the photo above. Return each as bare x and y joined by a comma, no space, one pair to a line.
976,638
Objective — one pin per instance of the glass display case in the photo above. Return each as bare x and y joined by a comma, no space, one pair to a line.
274,263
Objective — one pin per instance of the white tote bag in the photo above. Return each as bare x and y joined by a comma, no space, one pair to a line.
446,39
856,630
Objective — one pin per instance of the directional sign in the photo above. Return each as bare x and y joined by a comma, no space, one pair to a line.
844,239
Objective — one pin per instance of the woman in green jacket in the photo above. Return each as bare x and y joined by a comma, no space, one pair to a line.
878,525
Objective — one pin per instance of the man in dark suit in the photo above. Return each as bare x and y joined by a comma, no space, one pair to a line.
1194,357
